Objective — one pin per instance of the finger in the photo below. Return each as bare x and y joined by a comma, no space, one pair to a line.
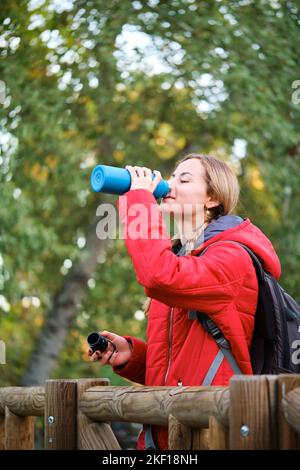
105,358
147,172
157,174
90,352
156,180
139,171
95,356
113,358
132,172
143,172
129,168
109,335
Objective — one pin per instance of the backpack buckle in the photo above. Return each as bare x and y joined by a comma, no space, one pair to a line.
217,334
222,342
213,329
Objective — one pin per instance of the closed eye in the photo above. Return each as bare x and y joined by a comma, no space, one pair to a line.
184,181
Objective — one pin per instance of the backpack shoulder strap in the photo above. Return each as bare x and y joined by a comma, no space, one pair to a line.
215,331
224,349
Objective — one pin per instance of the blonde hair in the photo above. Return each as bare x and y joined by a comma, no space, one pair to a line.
222,185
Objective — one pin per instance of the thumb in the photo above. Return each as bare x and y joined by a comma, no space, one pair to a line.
109,335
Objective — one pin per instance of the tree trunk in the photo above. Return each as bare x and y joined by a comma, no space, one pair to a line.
60,317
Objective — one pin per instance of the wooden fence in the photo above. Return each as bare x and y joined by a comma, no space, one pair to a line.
254,412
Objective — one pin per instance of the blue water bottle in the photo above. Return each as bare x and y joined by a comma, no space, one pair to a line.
115,180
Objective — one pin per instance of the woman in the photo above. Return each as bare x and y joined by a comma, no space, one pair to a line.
222,282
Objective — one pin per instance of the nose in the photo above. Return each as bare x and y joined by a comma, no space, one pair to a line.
172,189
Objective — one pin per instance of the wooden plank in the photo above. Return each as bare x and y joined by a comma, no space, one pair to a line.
222,401
19,431
179,435
291,408
60,414
218,435
252,412
23,401
91,435
273,402
2,432
200,439
288,438
191,406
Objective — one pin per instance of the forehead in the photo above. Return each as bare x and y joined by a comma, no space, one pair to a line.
192,166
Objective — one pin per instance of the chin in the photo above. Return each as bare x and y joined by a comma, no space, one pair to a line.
165,207
169,207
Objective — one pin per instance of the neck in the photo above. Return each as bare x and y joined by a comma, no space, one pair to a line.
188,230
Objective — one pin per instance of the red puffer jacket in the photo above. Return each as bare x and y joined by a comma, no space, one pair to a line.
222,283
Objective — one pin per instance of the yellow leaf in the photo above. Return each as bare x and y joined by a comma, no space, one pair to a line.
36,73
39,173
38,320
51,161
160,141
134,122
167,152
133,95
70,133
165,130
255,179
118,155
166,143
180,143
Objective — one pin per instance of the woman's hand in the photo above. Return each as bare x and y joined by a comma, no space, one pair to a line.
117,357
141,178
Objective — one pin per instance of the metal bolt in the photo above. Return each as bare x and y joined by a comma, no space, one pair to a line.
50,419
244,432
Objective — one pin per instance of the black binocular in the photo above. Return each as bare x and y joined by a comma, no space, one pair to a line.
98,342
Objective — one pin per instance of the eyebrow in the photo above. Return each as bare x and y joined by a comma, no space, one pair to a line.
184,173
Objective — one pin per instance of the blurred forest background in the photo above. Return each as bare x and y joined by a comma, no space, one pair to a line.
129,82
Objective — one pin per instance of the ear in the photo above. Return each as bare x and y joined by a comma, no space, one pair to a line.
210,203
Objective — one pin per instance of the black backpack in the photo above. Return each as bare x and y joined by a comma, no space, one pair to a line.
275,346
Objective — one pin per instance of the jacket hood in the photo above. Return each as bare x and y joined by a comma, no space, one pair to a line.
232,227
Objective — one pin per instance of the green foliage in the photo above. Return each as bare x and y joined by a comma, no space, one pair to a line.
75,98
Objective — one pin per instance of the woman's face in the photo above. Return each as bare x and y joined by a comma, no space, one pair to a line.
188,192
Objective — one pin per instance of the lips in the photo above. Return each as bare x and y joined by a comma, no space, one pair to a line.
168,197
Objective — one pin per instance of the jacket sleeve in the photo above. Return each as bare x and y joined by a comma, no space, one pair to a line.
134,370
188,282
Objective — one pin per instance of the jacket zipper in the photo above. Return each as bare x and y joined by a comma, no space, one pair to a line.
169,345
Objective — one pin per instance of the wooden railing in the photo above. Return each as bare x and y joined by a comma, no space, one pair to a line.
254,412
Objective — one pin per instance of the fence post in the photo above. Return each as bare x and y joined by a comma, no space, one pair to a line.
252,414
200,439
219,422
218,434
290,405
92,435
60,414
287,436
179,435
19,431
2,432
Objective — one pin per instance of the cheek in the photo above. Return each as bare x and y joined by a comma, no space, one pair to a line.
190,194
